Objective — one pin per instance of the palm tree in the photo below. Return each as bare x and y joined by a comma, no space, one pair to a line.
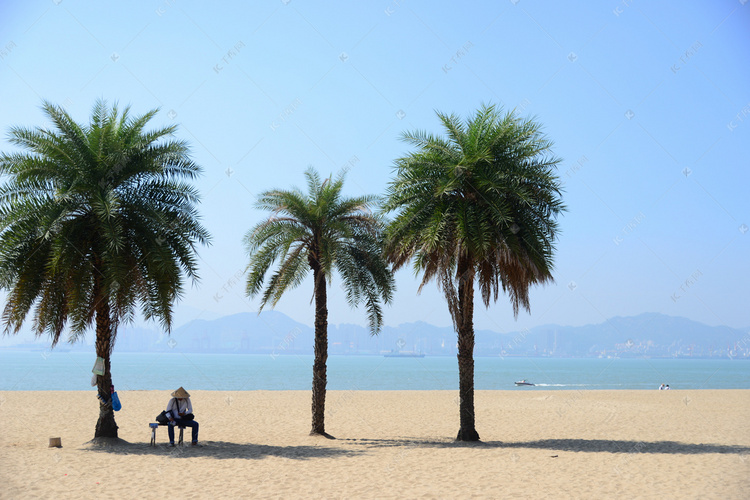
94,220
320,231
479,205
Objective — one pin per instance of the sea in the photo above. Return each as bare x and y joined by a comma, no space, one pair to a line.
71,371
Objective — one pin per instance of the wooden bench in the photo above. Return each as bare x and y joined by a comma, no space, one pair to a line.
155,425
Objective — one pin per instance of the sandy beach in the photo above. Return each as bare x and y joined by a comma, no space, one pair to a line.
389,444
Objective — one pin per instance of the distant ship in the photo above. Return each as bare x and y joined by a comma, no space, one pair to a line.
523,382
404,354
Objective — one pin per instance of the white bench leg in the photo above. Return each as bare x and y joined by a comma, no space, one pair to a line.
153,428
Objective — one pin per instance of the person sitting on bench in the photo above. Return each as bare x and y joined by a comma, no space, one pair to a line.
180,413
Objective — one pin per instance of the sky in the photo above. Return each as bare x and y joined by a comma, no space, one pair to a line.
647,103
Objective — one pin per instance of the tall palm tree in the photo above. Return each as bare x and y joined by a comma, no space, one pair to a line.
94,220
320,231
480,204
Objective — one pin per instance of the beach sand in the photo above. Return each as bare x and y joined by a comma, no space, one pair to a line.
390,444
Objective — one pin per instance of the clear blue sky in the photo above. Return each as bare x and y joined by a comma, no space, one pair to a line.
648,104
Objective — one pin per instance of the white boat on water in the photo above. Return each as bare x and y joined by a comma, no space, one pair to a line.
523,382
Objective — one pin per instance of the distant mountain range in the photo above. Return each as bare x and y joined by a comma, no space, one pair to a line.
275,334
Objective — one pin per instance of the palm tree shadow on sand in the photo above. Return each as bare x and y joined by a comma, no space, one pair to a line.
227,450
574,445
220,450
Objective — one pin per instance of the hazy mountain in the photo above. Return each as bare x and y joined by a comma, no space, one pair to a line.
275,334
648,334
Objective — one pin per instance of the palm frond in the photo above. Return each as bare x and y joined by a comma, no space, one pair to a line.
486,194
92,213
323,231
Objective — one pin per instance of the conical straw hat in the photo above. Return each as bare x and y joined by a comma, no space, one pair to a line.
180,393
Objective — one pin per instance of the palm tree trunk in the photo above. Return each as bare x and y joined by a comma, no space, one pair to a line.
467,431
106,425
321,353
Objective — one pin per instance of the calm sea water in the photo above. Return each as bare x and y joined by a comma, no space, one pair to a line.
21,371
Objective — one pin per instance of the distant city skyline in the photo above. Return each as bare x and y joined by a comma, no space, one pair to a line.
648,105
274,334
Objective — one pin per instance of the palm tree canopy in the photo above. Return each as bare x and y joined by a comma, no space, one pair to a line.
97,210
320,230
486,193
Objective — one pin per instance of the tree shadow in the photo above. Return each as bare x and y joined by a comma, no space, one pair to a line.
574,445
221,450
